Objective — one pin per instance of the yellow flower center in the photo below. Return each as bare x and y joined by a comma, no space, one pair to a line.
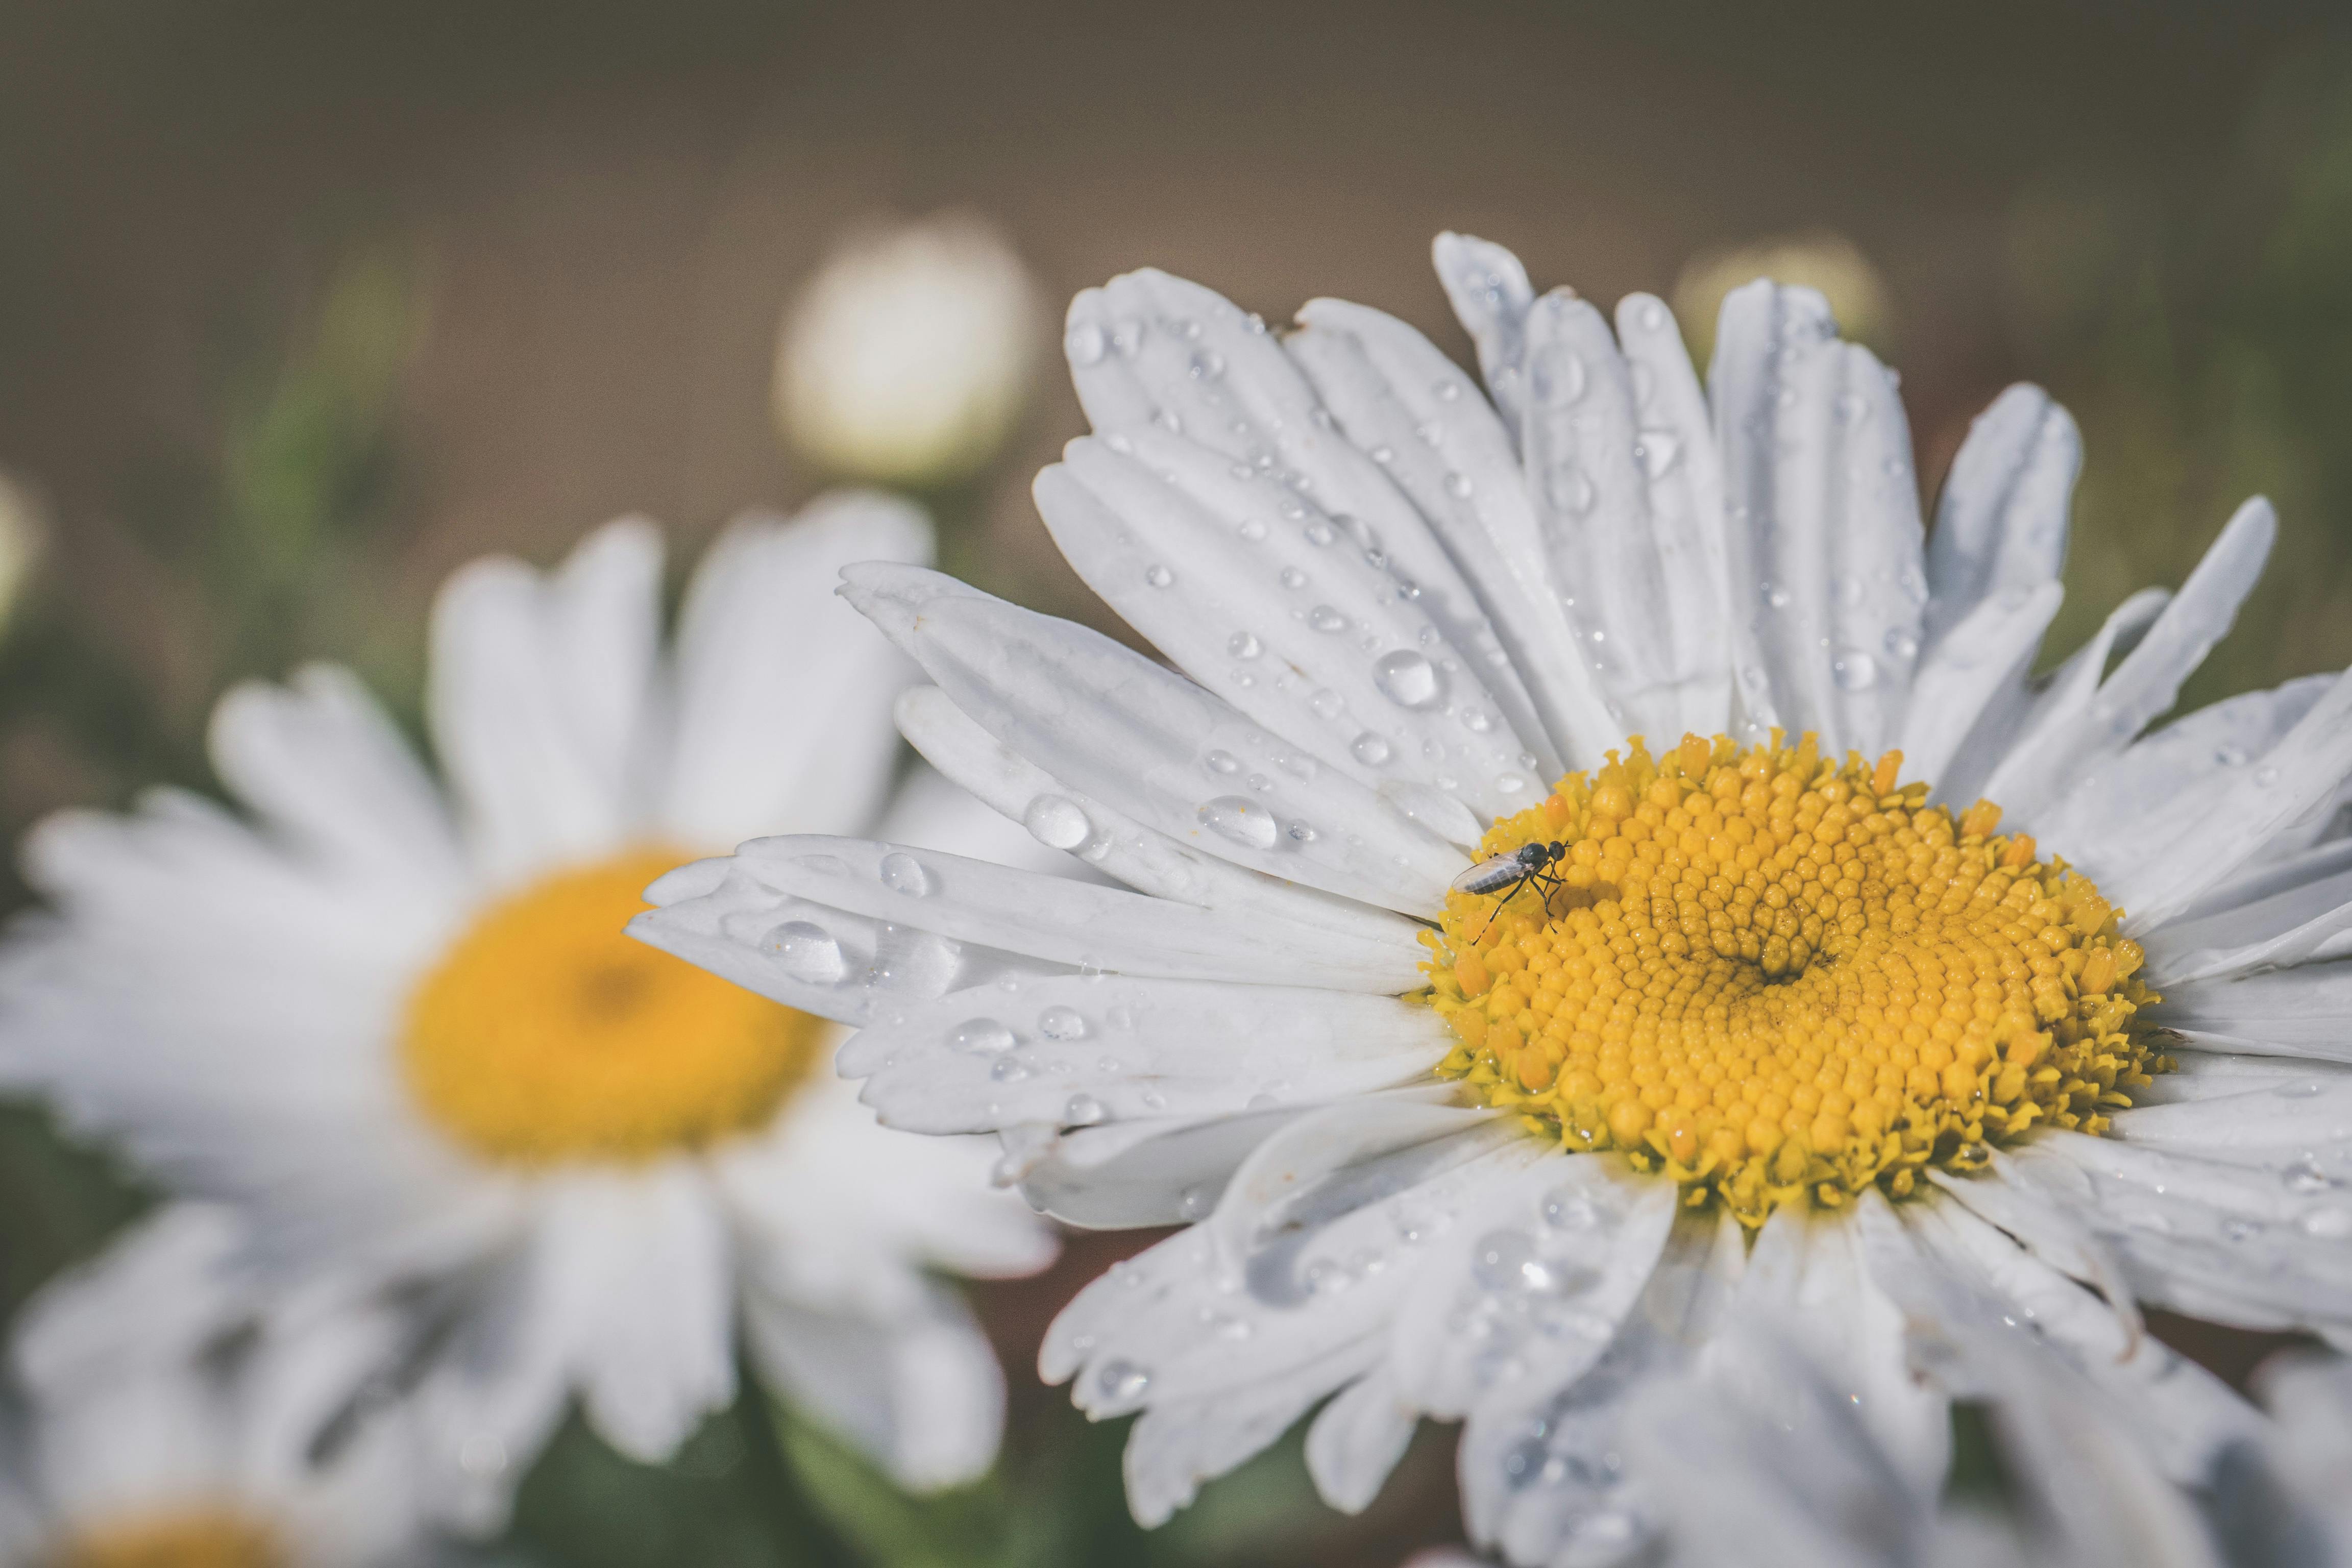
545,1035
1773,977
192,1538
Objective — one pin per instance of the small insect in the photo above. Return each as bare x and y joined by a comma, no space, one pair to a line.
1528,864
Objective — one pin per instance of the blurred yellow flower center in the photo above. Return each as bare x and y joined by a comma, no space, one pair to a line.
195,1538
1776,977
545,1035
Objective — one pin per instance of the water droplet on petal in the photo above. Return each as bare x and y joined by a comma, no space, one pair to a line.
808,952
902,873
2306,1178
1056,822
1458,485
1122,1380
2328,1224
1158,576
1083,1110
1243,645
1371,749
1853,669
1008,1069
1208,365
1324,618
1408,680
1570,491
1244,821
1657,450
1293,578
1902,646
1085,343
2266,777
2230,757
1062,1024
1223,762
1448,391
982,1036
1252,529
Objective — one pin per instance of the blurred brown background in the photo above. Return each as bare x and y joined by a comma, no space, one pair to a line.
301,305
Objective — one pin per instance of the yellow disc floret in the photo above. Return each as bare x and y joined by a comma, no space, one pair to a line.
544,1035
198,1537
1775,977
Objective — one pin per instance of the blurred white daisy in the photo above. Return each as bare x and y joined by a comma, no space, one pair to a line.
188,1452
401,1029
1496,1099
908,359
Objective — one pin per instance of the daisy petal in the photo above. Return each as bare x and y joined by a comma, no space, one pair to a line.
1491,297
1160,1171
2024,750
1176,1445
1356,1440
1153,744
1146,861
819,959
987,1058
921,1392
1958,692
2002,520
1819,489
2301,1012
1391,389
539,686
758,619
1299,635
1556,1256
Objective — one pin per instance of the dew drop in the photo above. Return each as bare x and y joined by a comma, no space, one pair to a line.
1408,680
1208,365
1371,749
1158,576
1326,703
1062,1024
808,952
1569,1208
902,873
1848,590
1056,822
2328,1224
1853,669
982,1036
1083,1110
1324,618
1252,529
1301,832
2230,757
1902,646
1122,1380
2306,1178
1320,533
1127,337
1570,491
1085,343
1458,485
2266,777
1223,762
1293,578
1448,391
1243,645
1657,450
1244,821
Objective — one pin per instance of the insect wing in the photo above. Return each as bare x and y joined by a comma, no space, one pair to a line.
1490,876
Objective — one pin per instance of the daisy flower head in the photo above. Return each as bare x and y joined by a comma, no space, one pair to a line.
190,1451
393,1020
1564,915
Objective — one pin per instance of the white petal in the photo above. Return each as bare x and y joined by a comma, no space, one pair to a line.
2149,680
782,695
2001,1197
920,1394
159,1292
1356,1440
1117,726
650,1251
1549,1263
1059,921
717,914
1176,1445
1146,860
1825,517
2002,520
1076,1049
1158,1170
538,690
1956,698
1807,1272
1187,362
1491,297
929,811
321,764
2026,744
1391,389
2303,1012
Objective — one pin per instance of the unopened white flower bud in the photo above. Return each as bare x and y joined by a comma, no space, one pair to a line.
907,359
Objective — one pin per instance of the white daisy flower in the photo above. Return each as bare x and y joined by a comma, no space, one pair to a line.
400,1028
191,1452
1497,1098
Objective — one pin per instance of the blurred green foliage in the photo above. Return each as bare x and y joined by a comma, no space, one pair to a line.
2202,332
